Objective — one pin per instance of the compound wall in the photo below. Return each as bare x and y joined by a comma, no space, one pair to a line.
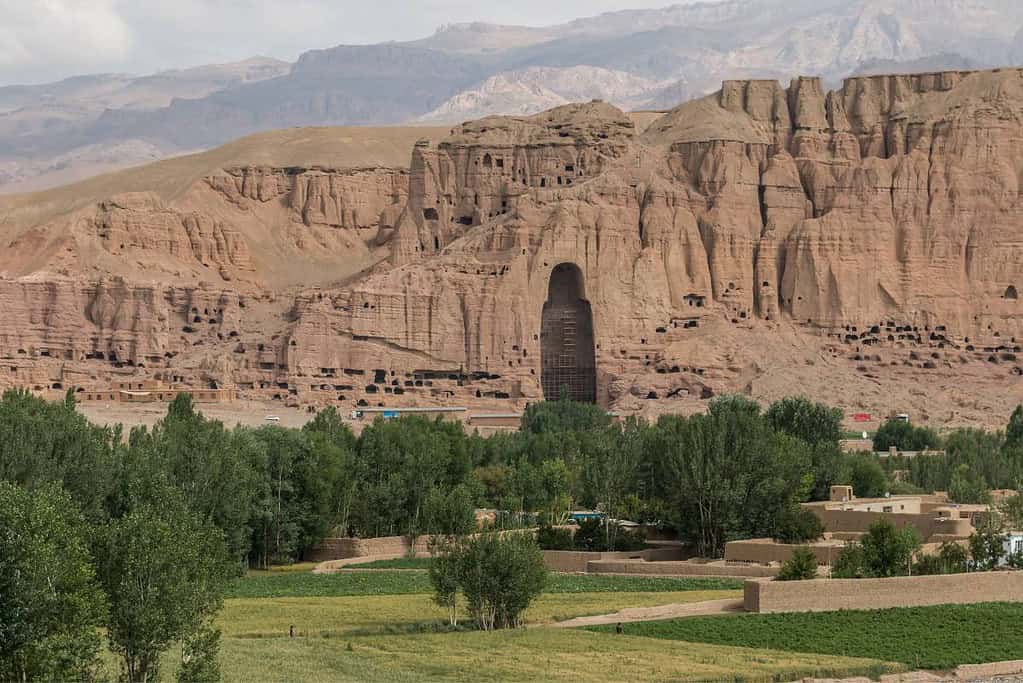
826,595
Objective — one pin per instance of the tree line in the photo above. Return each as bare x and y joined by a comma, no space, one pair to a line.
183,506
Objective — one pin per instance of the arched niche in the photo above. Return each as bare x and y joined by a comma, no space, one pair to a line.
567,357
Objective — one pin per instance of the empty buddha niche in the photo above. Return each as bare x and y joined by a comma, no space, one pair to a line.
567,359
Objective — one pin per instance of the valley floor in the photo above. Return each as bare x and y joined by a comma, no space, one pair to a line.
383,626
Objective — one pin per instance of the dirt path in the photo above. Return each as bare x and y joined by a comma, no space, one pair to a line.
332,566
672,611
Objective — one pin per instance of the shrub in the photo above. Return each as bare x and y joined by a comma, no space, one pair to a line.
797,525
199,657
629,540
499,575
950,559
551,538
1015,560
800,567
849,563
927,564
592,537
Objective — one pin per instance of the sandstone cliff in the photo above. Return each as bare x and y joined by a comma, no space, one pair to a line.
763,239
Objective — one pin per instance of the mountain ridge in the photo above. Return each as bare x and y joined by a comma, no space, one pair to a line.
689,49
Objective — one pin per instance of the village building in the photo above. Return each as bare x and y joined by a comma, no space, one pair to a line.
846,518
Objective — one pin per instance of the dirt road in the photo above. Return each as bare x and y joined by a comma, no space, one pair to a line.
672,611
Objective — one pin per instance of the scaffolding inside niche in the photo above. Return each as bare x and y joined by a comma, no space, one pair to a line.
568,358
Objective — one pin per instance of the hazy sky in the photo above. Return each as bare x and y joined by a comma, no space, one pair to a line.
44,40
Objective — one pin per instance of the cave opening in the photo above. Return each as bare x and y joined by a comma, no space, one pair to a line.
567,355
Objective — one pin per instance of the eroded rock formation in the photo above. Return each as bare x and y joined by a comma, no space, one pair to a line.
873,230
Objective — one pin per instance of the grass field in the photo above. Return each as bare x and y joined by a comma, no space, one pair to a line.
383,626
347,615
304,584
396,563
536,654
939,637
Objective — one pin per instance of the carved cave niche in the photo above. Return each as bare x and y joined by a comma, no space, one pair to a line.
567,353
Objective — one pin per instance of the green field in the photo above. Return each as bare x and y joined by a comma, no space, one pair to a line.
383,626
939,637
396,563
323,617
305,584
534,654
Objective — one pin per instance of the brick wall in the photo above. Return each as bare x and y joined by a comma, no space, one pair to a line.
824,595
393,546
344,548
576,561
765,551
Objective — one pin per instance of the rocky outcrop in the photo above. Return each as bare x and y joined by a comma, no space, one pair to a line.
361,199
867,232
140,221
109,320
479,173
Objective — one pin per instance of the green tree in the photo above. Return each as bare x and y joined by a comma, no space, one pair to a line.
951,558
51,606
797,525
888,551
1014,430
607,474
42,442
866,476
986,455
405,459
726,474
449,512
334,444
802,565
164,571
297,502
967,487
554,489
1012,511
499,575
882,552
987,545
444,577
820,427
563,416
905,437
849,563
813,423
215,469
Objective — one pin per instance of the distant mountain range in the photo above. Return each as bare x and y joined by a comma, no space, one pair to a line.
635,59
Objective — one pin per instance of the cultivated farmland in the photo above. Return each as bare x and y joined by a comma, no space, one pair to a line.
940,637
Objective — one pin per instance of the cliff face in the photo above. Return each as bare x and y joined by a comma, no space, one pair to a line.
882,214
871,233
